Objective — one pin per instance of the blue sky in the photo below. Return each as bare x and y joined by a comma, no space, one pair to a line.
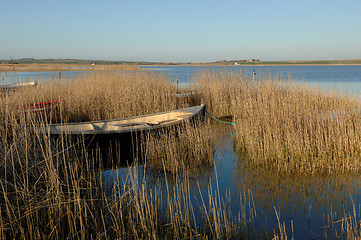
181,31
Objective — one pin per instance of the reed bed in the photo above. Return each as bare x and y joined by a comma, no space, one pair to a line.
298,130
287,126
53,188
104,95
182,150
44,187
218,90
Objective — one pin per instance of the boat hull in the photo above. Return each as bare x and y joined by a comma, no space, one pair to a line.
120,146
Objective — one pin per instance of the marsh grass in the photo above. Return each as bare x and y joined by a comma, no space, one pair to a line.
218,90
284,125
50,189
295,129
54,189
104,95
41,184
186,148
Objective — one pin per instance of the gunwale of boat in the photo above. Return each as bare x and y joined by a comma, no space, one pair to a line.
125,125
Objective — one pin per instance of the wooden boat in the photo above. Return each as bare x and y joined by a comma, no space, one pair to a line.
116,127
116,139
13,87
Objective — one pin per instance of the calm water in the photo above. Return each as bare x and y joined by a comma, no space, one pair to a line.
19,77
305,202
345,79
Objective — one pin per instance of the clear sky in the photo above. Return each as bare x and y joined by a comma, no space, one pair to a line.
182,30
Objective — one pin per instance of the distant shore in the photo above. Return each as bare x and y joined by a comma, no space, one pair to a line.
33,67
62,67
280,63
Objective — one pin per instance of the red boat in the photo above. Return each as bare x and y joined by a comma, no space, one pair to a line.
39,107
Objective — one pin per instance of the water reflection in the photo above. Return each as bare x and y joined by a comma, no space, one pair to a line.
308,201
295,192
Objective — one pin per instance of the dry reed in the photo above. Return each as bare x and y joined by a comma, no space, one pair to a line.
104,95
52,188
184,149
286,126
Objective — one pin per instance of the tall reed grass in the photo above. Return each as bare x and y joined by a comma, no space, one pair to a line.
284,125
104,95
181,150
53,188
293,129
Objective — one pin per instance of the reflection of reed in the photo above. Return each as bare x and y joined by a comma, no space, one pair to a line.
309,194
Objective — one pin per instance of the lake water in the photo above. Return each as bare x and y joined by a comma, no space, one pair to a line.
344,79
19,77
305,204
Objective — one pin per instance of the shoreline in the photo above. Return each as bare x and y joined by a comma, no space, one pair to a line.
62,67
4,68
243,65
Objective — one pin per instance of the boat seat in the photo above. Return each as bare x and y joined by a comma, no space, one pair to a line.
87,127
184,115
74,128
114,127
168,120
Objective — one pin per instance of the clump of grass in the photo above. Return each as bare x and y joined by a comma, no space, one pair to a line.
104,95
218,90
166,210
286,126
183,149
118,95
296,129
43,185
